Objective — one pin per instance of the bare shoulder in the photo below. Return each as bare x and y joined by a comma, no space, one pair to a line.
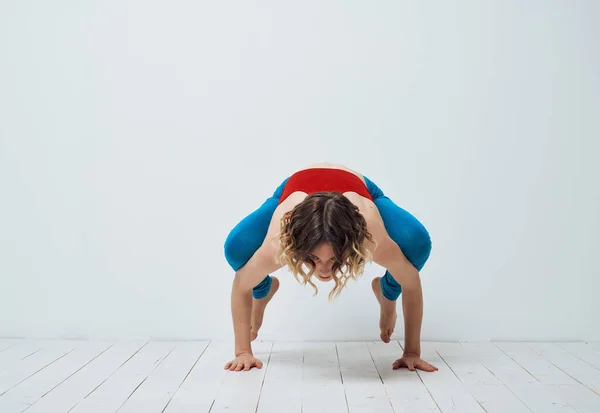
386,252
271,241
370,212
264,259
366,207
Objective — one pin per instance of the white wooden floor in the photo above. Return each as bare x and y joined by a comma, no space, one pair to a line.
39,376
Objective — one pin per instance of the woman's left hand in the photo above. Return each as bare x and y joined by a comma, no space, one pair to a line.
413,362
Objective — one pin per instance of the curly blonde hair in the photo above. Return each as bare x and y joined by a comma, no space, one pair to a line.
325,217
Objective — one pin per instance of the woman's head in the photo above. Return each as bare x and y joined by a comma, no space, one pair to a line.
327,234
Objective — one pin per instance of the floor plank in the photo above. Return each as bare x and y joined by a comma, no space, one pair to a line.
241,389
322,387
6,343
553,378
153,395
487,389
113,391
12,356
200,388
588,352
31,390
28,366
526,387
578,369
65,396
79,376
363,386
283,380
447,390
405,389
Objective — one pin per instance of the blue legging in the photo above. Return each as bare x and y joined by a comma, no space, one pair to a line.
410,235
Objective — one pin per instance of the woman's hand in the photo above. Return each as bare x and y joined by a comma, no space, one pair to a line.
244,361
413,362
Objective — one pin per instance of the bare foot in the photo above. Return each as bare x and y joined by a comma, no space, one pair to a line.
258,308
387,315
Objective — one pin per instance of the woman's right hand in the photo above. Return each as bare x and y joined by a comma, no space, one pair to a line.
243,361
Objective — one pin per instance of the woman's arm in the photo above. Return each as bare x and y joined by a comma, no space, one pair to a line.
390,256
252,273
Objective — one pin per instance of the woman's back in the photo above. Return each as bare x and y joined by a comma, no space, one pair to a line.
334,166
292,198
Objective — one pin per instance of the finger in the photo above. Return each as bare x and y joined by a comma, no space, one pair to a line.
411,366
421,365
259,364
239,366
247,366
227,365
424,366
432,367
427,367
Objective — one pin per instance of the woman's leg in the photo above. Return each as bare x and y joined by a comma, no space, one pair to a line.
410,235
248,235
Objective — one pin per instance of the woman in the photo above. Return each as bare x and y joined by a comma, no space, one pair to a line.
331,220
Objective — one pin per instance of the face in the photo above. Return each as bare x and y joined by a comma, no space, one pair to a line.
324,258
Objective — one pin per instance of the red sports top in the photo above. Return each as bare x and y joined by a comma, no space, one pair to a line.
324,179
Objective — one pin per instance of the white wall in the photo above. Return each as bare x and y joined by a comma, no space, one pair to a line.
135,134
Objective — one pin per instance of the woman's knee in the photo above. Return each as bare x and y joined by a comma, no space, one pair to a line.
248,235
406,231
236,250
418,246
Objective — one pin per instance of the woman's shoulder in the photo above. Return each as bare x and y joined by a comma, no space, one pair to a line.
370,213
275,223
